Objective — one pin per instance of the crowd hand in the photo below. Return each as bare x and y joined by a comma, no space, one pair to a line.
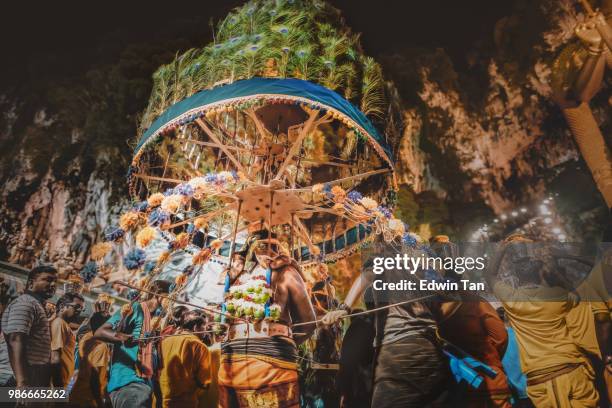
333,317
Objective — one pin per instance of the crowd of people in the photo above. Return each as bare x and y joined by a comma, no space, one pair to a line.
546,345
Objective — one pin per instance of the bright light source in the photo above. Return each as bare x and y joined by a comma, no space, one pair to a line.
547,220
523,210
504,217
514,213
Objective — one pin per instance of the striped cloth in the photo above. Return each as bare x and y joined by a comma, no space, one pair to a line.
27,315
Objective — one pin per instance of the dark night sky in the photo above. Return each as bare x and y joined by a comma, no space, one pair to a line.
70,30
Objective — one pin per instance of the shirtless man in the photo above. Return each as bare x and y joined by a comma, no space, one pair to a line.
258,360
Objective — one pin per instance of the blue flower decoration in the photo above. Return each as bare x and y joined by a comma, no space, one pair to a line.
134,259
354,196
184,189
149,266
158,217
89,271
114,233
141,206
409,240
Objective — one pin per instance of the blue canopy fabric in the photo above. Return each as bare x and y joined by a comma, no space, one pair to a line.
299,90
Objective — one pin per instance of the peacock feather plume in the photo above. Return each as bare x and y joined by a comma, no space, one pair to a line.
304,39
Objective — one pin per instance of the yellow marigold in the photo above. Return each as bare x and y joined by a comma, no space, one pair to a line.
202,256
155,200
441,239
129,220
338,207
339,194
172,203
200,222
163,257
100,250
317,188
145,236
396,226
216,244
181,240
181,279
368,203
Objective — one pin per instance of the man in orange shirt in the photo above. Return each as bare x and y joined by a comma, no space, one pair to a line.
63,340
186,365
94,356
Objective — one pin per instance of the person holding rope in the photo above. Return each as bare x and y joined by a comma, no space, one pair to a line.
130,382
409,368
186,362
259,359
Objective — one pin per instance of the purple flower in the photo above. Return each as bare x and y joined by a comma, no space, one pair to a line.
134,259
387,213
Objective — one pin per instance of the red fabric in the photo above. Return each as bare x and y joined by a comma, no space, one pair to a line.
145,351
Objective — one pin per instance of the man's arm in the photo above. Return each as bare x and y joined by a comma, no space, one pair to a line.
57,342
17,355
355,293
107,334
301,306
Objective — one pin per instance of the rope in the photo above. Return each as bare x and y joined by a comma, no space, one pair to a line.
369,311
179,301
141,339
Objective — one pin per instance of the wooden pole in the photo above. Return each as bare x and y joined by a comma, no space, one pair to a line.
220,145
233,244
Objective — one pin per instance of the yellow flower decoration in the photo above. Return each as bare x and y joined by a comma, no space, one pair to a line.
181,279
129,220
216,244
100,250
368,203
163,257
200,223
181,241
155,200
396,226
172,203
202,256
339,194
145,236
